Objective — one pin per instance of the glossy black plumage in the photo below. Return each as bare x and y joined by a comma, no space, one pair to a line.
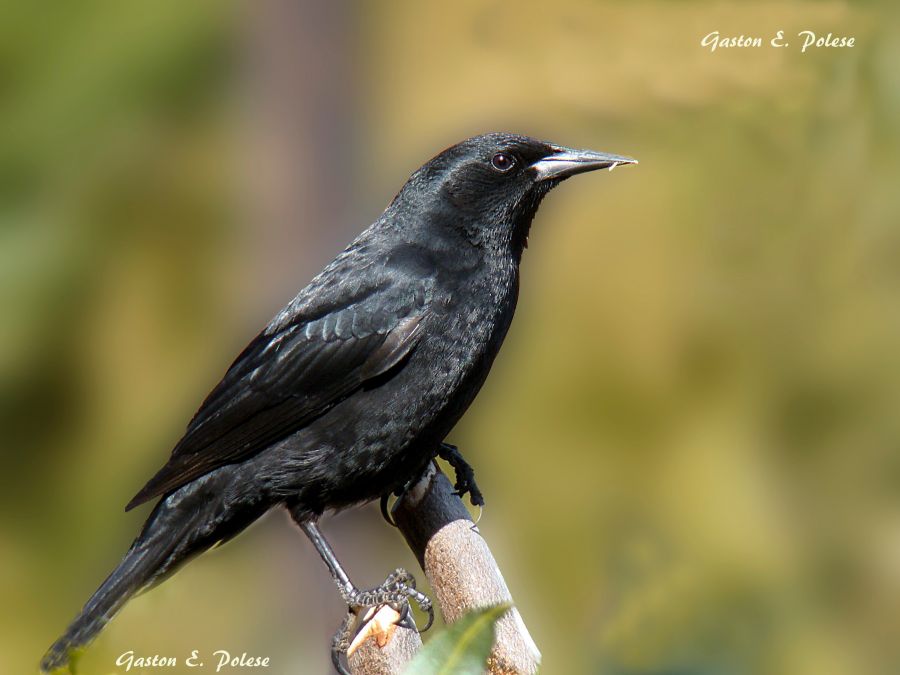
348,392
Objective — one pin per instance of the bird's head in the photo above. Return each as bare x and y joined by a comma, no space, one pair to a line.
492,185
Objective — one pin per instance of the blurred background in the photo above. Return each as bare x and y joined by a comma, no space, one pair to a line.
699,475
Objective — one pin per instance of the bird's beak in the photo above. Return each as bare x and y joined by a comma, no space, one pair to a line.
565,162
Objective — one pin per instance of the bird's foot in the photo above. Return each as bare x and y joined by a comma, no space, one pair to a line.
396,591
465,474
465,481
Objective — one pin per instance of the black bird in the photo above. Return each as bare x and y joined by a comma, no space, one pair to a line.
348,393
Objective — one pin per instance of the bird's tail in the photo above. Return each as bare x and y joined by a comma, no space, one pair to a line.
132,574
182,525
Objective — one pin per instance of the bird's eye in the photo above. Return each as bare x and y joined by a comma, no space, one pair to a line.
503,162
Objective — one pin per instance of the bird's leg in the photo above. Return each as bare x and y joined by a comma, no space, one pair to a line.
397,589
465,474
398,586
345,586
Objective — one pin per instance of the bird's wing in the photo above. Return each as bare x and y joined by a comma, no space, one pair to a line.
313,355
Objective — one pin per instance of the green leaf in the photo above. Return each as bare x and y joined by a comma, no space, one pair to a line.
463,648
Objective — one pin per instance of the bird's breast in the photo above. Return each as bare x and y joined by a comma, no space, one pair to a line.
470,323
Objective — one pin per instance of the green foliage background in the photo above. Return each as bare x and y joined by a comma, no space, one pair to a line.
689,445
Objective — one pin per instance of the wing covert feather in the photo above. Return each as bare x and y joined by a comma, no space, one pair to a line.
289,375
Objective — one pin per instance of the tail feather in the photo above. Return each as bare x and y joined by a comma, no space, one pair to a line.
134,573
184,524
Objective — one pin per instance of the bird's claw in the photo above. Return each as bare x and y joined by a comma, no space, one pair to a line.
385,500
385,511
396,591
405,620
465,474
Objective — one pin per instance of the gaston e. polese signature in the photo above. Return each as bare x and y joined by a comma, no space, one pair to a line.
222,659
808,40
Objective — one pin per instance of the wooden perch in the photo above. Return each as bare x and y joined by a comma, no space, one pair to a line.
462,572
381,647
